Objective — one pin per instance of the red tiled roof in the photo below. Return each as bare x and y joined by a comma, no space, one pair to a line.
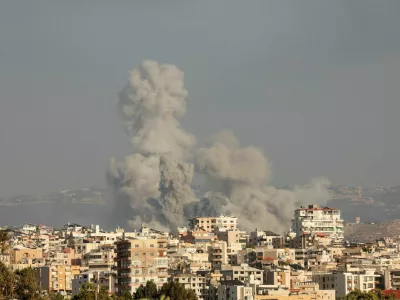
396,293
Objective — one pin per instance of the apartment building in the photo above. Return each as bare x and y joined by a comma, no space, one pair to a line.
193,282
285,254
234,290
277,277
267,238
392,279
100,279
346,282
218,254
318,220
242,273
210,223
24,255
56,278
138,261
285,277
100,259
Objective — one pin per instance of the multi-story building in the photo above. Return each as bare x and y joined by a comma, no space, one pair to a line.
392,279
24,255
268,238
234,290
218,254
56,278
193,282
285,254
210,223
100,279
318,220
138,261
346,282
100,259
243,273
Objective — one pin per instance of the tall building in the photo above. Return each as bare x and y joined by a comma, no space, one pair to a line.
138,261
209,223
318,220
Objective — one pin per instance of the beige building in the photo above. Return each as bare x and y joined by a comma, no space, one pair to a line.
211,223
301,291
285,254
243,273
218,254
25,255
138,261
267,238
57,278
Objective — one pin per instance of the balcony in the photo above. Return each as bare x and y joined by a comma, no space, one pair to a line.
217,258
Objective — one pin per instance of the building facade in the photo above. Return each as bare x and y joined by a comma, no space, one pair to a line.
210,223
138,261
318,220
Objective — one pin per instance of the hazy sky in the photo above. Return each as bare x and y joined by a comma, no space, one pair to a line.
314,83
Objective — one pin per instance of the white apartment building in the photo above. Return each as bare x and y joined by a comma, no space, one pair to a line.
209,223
234,290
318,220
346,282
98,278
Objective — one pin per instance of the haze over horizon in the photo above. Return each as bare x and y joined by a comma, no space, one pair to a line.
314,83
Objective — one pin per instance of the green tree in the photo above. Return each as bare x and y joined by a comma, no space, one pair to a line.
6,282
176,291
127,296
55,296
4,241
26,285
151,290
89,291
71,241
140,292
371,295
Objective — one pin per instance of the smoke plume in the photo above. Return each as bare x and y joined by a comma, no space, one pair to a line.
153,185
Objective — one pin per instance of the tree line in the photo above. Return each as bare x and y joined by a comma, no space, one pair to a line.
22,285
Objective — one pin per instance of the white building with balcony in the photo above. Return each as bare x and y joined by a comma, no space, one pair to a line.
318,220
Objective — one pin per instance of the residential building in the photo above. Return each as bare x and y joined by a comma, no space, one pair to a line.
210,223
318,220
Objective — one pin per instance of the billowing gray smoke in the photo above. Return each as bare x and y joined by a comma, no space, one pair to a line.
153,185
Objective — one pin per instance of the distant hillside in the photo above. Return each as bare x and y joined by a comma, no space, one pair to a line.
67,196
372,232
371,205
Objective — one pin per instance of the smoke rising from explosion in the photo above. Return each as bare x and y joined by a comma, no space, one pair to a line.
153,185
